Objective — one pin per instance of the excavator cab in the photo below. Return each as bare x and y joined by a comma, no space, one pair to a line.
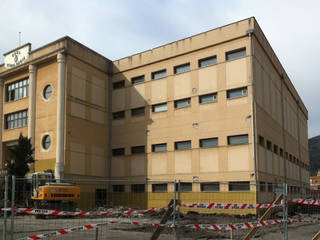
40,179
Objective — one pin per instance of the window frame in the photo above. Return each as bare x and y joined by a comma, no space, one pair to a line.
13,119
118,85
210,183
17,90
44,92
115,117
240,135
239,50
43,142
118,152
135,188
181,100
184,185
200,61
138,149
135,110
159,191
137,80
214,98
204,139
240,184
153,146
244,92
180,142
153,74
157,105
175,68
118,188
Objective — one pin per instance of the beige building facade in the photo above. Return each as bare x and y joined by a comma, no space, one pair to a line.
215,110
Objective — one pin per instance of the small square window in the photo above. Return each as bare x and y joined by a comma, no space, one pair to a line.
235,54
137,188
137,80
182,68
138,111
182,103
238,139
118,115
281,152
208,98
184,187
239,186
163,187
261,141
183,145
262,186
162,147
162,107
138,149
118,152
237,93
208,142
159,74
118,85
275,149
118,188
208,61
210,187
269,145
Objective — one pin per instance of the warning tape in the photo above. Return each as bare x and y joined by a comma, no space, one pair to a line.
230,205
305,201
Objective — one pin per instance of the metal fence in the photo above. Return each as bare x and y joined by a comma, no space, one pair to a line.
127,209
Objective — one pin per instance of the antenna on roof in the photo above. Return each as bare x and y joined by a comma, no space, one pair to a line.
19,39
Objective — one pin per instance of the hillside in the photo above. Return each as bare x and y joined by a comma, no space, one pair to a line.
314,154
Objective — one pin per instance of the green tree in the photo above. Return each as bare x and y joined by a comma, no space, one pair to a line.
21,156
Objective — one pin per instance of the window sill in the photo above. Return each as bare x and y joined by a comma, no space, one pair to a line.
237,97
181,72
182,107
208,102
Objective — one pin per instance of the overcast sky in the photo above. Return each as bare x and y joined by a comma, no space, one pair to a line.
121,28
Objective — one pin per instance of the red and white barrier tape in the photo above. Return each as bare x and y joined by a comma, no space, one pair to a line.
230,205
305,201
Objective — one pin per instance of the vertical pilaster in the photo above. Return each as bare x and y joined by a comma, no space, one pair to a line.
59,169
1,124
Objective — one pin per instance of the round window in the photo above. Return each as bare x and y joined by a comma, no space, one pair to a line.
46,142
47,92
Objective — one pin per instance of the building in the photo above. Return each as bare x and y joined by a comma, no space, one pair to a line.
214,108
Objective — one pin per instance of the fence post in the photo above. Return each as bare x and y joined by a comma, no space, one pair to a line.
13,190
6,179
285,211
178,222
174,202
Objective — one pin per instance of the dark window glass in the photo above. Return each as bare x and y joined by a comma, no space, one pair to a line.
207,61
270,187
17,90
159,74
182,68
138,149
47,92
162,107
182,145
208,98
137,80
184,187
118,188
269,145
118,152
117,85
281,152
162,147
261,141
208,142
137,188
236,93
262,186
46,142
210,187
118,115
235,54
160,187
238,139
239,186
138,111
16,120
182,103
101,197
275,149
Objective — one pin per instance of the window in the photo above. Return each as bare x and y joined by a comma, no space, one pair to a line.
118,115
182,68
261,141
290,157
138,111
47,92
137,188
162,107
207,61
210,187
184,187
269,145
137,149
159,74
275,149
239,186
281,152
237,93
137,80
262,186
238,139
101,197
160,187
118,188
46,142
182,103
235,54
17,90
117,85
16,120
182,145
118,152
270,187
208,142
162,147
208,98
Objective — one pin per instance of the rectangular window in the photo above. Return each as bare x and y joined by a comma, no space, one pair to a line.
239,53
138,111
239,186
237,93
208,98
137,188
210,187
261,141
162,147
16,120
238,139
118,115
208,142
162,107
182,103
275,149
17,90
159,74
163,187
184,187
136,80
182,145
137,149
281,152
118,188
270,187
262,186
117,85
208,61
118,152
269,145
182,68
101,197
